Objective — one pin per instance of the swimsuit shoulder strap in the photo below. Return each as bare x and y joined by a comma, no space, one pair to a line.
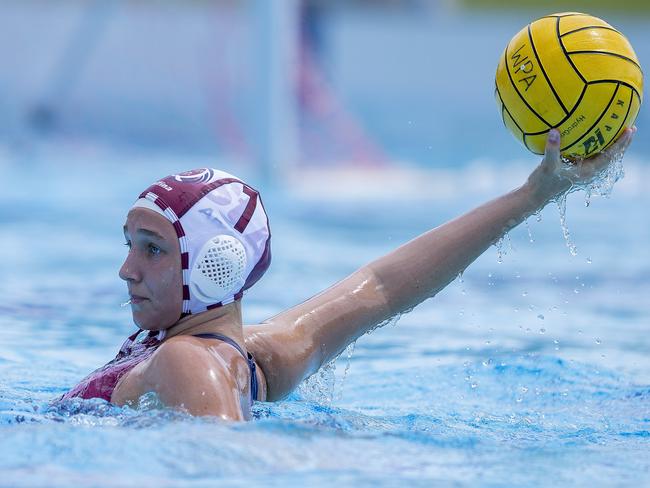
248,357
222,338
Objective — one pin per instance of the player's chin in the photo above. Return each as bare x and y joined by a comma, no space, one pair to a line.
146,320
150,318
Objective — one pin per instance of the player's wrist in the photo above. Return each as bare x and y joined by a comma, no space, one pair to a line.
542,188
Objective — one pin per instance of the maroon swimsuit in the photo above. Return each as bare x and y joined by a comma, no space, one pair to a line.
102,382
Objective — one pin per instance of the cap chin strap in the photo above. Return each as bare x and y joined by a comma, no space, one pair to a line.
219,270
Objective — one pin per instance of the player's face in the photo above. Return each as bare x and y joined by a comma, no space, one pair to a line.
152,270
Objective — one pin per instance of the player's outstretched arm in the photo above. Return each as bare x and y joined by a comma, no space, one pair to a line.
424,266
292,345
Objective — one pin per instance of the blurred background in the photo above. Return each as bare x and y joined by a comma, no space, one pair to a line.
364,123
271,88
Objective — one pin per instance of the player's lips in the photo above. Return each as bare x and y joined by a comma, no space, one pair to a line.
137,298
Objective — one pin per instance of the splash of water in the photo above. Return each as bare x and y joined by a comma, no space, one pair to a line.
561,205
601,184
530,234
151,401
504,246
461,281
348,361
500,250
507,237
389,321
319,387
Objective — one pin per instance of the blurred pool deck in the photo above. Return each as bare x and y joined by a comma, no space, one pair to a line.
391,87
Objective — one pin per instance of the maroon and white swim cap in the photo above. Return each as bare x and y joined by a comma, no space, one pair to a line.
223,231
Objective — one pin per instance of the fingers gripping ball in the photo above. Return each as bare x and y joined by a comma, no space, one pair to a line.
573,72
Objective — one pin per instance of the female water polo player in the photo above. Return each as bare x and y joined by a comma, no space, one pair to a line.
198,240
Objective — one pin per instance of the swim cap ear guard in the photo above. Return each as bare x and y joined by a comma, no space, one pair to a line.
223,232
218,270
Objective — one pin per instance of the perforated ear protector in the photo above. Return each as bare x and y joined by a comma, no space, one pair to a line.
219,269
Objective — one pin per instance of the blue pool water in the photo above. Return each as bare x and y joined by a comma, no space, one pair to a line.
532,369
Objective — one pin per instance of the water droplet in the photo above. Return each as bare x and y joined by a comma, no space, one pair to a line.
509,239
474,385
524,293
561,205
530,234
542,331
500,250
540,317
597,341
588,260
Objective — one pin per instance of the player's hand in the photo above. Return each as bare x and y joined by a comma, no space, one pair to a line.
555,176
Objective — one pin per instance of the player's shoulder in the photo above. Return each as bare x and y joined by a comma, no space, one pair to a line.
184,356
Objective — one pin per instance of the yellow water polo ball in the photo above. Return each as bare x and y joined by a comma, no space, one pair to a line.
573,72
